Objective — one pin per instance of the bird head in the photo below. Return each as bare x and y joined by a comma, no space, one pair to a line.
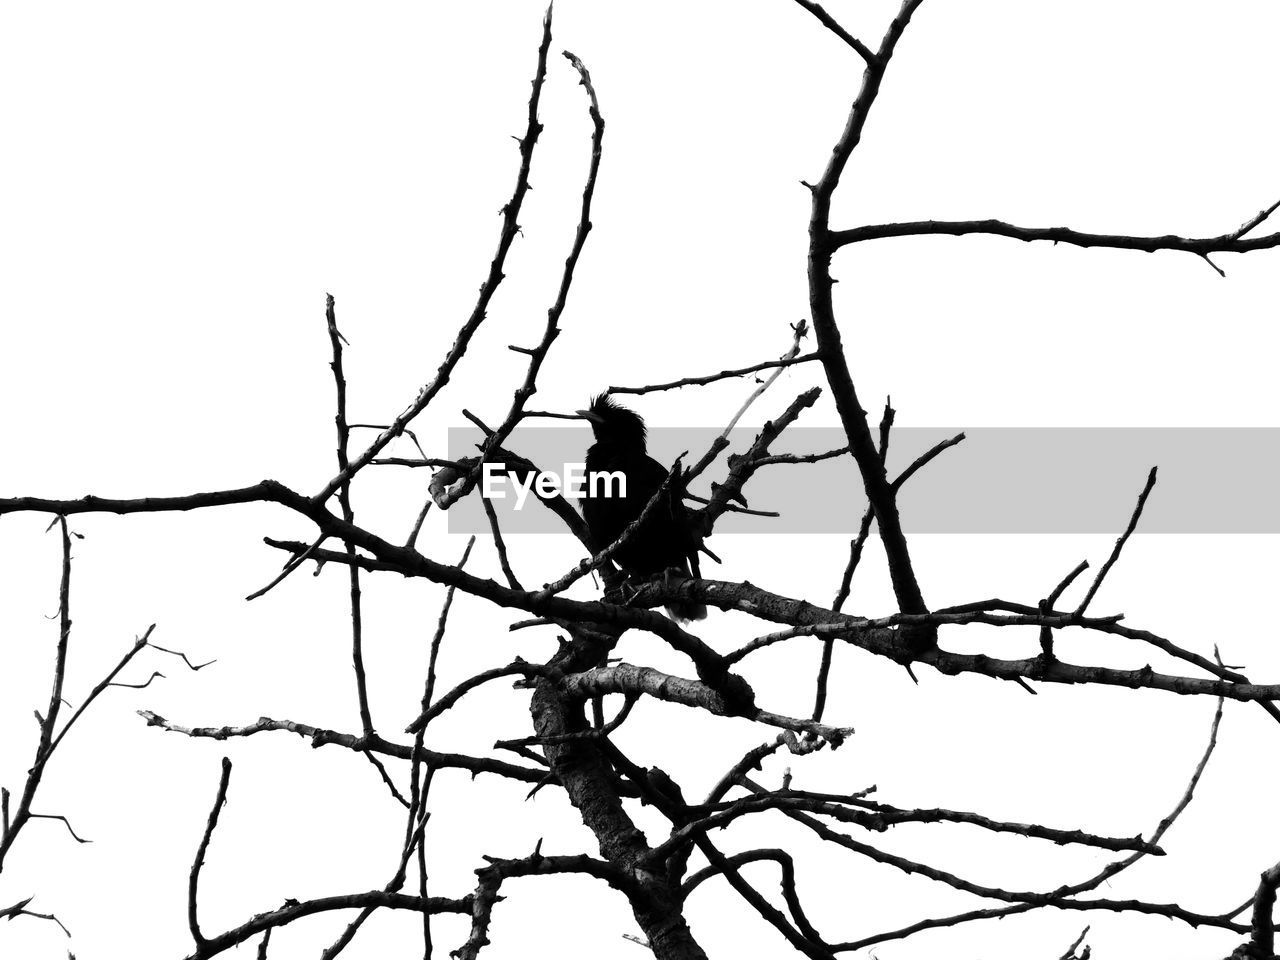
613,423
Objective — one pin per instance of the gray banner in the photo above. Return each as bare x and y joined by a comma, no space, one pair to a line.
998,480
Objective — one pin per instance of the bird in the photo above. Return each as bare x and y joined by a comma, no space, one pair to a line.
665,543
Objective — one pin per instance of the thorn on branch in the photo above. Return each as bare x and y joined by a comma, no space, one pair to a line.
1216,269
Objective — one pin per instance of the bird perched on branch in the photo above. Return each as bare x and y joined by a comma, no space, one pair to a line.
664,543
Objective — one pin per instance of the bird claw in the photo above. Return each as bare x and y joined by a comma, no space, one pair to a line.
631,588
624,592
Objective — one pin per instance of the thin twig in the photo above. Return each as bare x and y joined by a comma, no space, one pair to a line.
348,515
499,543
386,778
412,540
49,721
193,883
924,458
853,418
798,332
138,644
785,361
291,565
830,23
67,823
510,227
856,546
1107,872
1124,537
495,438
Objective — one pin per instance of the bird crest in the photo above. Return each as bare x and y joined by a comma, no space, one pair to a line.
613,423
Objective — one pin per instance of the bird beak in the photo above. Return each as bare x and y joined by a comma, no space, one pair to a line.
588,415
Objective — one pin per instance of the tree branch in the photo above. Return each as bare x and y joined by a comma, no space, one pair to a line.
830,23
510,227
320,737
1224,243
538,354
193,883
293,911
787,361
344,504
822,245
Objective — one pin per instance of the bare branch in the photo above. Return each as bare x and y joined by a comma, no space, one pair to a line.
500,544
445,480
627,678
386,779
1054,899
437,707
320,737
878,817
751,760
786,361
801,934
856,546
924,459
412,540
1233,242
798,332
1071,950
293,564
67,823
880,493
1263,936
802,457
578,752
830,23
492,876
293,911
48,722
1107,872
510,226
194,667
436,639
742,467
267,491
107,681
1124,537
19,909
193,883
344,504
734,508
538,354
711,667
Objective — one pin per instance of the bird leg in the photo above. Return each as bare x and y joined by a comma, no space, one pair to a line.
625,591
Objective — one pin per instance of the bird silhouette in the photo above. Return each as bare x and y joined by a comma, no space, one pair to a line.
664,543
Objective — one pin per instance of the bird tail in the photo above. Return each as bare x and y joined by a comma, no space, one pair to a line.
685,610
682,611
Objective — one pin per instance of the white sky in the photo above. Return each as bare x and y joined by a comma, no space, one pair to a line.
181,184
